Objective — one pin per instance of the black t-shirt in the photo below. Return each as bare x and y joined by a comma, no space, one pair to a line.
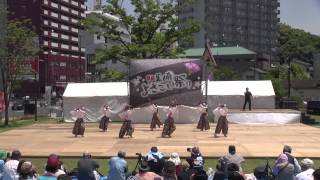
247,95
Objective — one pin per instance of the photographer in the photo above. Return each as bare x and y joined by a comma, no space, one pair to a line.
196,159
155,160
86,167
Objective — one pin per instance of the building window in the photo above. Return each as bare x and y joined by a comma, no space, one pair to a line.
63,77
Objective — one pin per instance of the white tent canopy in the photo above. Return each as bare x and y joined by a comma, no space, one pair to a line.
93,96
96,89
232,93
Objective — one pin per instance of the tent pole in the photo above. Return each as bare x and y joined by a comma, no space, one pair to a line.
206,76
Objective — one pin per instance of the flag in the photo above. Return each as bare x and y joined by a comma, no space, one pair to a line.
208,55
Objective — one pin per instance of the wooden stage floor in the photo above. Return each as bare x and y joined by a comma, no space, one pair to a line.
250,140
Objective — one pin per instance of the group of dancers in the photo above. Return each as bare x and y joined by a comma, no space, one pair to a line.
169,126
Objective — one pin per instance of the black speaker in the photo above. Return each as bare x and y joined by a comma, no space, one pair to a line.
29,109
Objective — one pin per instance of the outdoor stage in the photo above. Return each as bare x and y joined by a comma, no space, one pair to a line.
250,140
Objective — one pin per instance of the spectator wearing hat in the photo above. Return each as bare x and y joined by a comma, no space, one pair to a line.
144,172
155,160
86,167
307,170
174,157
283,170
10,168
61,169
287,150
51,168
169,171
27,171
232,157
118,167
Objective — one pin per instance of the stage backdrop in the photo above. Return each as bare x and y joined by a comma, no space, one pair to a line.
165,80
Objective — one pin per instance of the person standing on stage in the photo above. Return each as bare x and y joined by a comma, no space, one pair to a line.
104,121
126,128
169,126
222,125
155,117
78,128
247,99
203,123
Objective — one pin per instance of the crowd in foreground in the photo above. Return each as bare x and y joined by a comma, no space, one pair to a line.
154,166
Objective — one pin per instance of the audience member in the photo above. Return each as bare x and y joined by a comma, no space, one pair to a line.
199,175
260,173
185,173
232,157
196,156
86,167
220,173
316,174
51,169
169,171
19,165
307,170
235,175
144,173
174,157
287,151
283,170
27,171
155,160
11,166
64,177
118,167
1,168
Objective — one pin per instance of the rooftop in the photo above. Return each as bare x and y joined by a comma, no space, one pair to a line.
218,51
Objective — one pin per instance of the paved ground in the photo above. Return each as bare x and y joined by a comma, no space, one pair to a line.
251,140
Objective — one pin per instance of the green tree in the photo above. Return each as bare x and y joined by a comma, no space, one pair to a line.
280,74
224,73
153,28
20,45
297,44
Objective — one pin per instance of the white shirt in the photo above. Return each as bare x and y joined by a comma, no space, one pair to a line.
305,175
10,170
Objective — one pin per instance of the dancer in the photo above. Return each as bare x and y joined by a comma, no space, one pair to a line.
126,128
203,123
79,127
155,117
104,121
169,126
221,111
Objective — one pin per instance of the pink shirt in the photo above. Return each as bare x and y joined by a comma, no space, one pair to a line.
147,176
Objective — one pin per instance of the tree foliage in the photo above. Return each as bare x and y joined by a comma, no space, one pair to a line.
224,73
153,29
280,74
20,45
297,44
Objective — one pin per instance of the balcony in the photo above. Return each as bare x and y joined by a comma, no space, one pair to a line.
55,5
54,25
53,44
53,14
74,30
53,34
74,48
75,3
64,46
64,37
74,39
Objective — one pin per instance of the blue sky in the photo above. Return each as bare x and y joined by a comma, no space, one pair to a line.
302,14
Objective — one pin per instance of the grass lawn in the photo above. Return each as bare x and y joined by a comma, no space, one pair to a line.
13,124
70,163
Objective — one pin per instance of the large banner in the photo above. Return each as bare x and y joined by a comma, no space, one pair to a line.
165,80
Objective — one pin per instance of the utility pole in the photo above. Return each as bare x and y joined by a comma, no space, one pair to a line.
289,77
